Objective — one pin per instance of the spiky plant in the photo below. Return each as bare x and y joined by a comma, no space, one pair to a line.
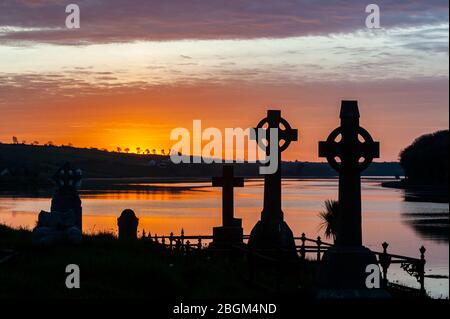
329,217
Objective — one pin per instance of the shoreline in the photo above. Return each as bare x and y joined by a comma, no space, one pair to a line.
158,183
421,192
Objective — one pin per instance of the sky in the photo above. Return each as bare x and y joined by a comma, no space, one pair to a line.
135,70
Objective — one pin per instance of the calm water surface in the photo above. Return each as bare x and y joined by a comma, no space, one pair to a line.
196,208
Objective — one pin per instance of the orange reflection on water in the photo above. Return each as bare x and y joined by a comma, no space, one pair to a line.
196,208
154,225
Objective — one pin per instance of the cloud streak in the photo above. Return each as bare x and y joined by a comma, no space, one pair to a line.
362,56
121,21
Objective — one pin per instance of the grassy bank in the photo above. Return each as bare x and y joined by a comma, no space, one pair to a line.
110,268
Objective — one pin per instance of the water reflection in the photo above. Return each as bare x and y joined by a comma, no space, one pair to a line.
428,195
428,222
196,207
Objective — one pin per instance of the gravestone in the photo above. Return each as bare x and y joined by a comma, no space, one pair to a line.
66,198
128,224
272,232
349,149
64,222
231,231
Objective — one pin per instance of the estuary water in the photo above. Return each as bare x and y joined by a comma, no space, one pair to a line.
388,215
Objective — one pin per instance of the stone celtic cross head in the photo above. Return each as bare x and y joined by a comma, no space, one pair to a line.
68,177
286,134
349,146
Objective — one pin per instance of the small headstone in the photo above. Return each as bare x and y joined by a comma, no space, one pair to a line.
128,224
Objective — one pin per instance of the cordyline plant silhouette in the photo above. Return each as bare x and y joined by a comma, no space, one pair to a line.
329,217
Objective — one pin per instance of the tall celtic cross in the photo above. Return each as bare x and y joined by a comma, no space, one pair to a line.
228,182
349,149
272,182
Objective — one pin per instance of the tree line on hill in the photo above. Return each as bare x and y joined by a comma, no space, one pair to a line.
426,160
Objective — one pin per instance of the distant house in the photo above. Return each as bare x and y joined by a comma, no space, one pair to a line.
162,164
5,172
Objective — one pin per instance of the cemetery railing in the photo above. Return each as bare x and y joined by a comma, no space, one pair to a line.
318,247
181,243
304,245
413,266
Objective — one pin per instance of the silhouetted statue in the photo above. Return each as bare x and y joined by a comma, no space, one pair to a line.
64,222
272,232
128,224
349,149
231,231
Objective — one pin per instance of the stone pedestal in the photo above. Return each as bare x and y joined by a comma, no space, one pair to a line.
225,237
67,199
345,267
274,236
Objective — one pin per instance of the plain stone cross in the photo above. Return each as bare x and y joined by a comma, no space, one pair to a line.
272,182
228,182
349,150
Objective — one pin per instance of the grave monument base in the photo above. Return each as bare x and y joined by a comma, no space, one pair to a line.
344,267
227,236
273,235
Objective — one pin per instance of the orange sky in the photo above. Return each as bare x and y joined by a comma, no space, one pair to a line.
128,81
145,118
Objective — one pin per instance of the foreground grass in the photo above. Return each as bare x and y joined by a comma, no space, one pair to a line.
110,268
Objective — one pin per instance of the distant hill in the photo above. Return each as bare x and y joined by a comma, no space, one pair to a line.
40,162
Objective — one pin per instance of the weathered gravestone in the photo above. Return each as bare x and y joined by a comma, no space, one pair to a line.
272,233
231,231
128,224
66,197
349,150
64,222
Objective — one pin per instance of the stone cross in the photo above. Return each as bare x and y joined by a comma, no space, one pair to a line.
68,177
349,150
66,197
228,182
272,182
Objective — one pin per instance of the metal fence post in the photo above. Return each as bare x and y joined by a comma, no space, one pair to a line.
422,270
385,261
303,249
319,243
171,241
